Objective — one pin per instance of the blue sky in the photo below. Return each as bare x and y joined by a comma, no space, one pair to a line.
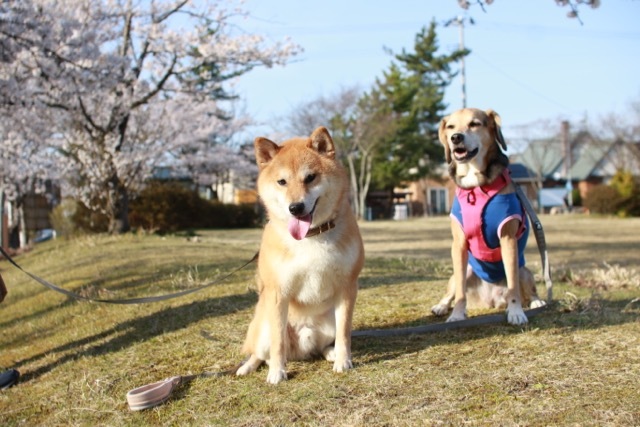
529,62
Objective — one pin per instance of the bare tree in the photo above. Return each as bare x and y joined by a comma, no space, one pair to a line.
339,112
307,116
625,129
541,150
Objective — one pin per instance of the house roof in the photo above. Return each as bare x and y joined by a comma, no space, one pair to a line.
591,155
547,157
520,172
543,157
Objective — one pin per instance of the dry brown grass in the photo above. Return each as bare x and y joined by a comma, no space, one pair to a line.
576,364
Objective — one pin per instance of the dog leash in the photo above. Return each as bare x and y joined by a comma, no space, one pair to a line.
154,394
443,326
142,300
538,231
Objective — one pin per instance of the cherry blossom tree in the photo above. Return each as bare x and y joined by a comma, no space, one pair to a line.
123,85
573,5
24,168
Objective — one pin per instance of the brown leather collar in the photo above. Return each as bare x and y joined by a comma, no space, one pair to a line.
321,229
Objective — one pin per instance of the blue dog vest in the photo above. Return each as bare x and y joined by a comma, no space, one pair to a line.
481,212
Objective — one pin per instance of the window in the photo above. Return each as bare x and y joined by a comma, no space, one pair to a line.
437,201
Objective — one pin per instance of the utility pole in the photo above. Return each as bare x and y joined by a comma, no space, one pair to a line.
459,21
4,232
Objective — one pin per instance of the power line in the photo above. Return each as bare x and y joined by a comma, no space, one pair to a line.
523,85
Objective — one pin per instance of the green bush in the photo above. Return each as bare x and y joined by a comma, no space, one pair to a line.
602,199
165,208
61,218
90,221
576,197
72,217
628,188
171,207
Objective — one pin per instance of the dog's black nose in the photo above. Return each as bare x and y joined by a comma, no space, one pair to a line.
457,138
296,208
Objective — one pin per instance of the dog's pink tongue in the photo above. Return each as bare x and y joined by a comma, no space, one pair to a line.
298,227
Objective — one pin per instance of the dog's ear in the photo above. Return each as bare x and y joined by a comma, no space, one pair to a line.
266,150
321,142
442,135
495,126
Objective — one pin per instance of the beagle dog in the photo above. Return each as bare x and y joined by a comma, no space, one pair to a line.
488,222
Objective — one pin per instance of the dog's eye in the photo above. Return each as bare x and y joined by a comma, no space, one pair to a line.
309,178
282,182
450,127
474,124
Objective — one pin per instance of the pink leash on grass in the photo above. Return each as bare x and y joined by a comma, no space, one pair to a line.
151,395
154,394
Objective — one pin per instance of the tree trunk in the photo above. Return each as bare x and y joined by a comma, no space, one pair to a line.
355,194
119,208
364,180
22,226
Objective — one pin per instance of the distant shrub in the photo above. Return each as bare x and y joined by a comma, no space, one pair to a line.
72,217
631,205
624,183
61,218
576,197
219,215
165,207
171,207
602,199
628,188
89,221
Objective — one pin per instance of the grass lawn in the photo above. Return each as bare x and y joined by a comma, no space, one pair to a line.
575,364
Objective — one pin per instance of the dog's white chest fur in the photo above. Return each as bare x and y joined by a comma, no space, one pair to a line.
469,175
316,268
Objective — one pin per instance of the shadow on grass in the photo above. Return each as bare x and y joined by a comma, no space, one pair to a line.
92,287
377,349
392,271
135,330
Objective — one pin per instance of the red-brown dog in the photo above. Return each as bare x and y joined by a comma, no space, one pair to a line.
310,257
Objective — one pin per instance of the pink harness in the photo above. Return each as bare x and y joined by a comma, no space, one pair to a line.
472,203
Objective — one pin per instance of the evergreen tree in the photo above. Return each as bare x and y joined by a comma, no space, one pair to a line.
412,91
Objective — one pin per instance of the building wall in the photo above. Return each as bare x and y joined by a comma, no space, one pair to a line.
36,212
431,196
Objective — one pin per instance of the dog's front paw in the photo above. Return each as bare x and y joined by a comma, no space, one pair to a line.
457,316
516,316
537,303
342,366
249,365
440,309
276,375
244,370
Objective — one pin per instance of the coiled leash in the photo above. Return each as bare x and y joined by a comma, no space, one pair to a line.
154,394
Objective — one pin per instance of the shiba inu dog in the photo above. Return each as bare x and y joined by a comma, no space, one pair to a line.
310,257
489,224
